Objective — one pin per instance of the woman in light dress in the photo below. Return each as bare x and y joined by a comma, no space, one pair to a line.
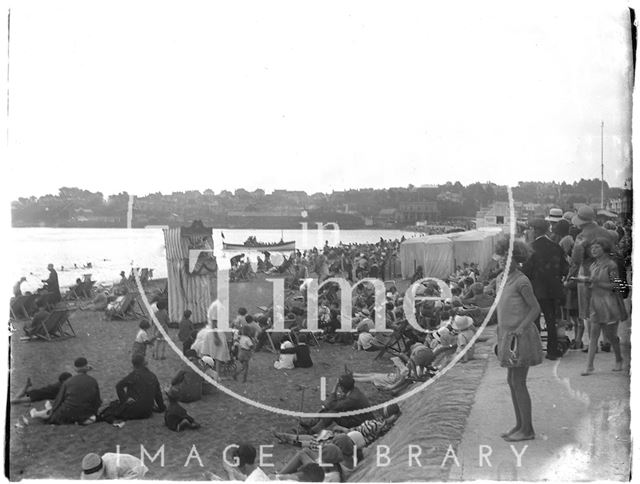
211,342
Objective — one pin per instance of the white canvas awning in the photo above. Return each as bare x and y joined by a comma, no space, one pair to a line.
433,253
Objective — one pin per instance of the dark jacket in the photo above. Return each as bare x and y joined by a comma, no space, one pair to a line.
303,357
52,286
142,386
354,400
188,383
546,268
77,400
185,330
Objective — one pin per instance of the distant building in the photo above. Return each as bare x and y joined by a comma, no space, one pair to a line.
622,205
412,212
496,215
388,216
294,196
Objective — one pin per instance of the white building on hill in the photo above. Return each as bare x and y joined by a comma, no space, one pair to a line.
496,215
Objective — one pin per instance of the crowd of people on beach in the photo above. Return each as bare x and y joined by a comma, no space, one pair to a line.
565,267
352,261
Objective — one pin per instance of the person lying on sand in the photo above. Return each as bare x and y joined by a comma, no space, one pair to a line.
370,429
386,381
48,392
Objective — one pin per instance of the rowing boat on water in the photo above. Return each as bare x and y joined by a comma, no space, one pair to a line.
281,246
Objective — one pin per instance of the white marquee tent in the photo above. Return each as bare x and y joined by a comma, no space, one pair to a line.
475,246
434,253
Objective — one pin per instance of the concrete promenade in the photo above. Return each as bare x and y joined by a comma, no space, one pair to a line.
582,423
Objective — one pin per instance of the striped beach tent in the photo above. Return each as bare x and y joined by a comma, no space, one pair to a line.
188,289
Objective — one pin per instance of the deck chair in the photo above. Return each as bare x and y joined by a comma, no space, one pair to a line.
53,328
18,306
303,325
397,342
120,308
86,289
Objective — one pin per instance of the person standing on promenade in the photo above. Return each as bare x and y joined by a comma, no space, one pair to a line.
545,269
517,311
606,306
581,257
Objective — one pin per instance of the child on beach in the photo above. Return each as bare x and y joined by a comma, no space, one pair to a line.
176,417
161,345
240,320
143,339
245,346
185,331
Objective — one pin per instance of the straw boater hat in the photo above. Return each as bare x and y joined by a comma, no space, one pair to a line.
92,467
585,215
555,215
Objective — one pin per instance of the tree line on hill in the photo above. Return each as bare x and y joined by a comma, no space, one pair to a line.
72,207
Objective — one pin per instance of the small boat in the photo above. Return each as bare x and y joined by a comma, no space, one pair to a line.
253,244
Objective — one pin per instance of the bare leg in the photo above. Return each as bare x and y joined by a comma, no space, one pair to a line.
303,440
23,392
579,331
246,371
611,333
514,401
593,347
301,458
587,329
523,400
238,370
163,347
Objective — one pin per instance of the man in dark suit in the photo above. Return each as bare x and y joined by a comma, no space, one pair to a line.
545,269
51,285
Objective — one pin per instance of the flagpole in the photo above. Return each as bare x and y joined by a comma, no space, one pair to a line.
602,165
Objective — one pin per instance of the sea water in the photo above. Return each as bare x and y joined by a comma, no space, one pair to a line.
110,251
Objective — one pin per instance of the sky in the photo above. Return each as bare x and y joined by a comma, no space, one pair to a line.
317,96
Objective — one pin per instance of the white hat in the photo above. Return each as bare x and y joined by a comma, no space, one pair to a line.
555,215
92,467
460,323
